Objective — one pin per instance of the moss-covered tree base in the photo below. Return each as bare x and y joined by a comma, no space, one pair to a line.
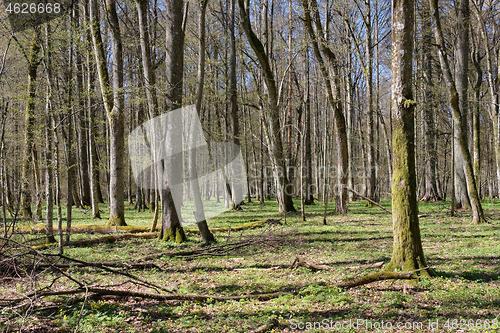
174,234
117,220
416,265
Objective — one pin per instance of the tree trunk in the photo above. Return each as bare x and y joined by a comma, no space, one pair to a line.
407,254
49,179
174,60
199,212
272,128
431,191
370,129
33,62
116,124
331,68
461,130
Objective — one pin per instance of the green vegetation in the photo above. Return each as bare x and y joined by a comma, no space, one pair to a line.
465,257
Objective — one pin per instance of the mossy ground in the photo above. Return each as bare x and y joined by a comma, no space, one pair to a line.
465,257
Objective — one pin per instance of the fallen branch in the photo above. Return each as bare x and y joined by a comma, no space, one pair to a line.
368,266
301,262
158,297
379,276
368,199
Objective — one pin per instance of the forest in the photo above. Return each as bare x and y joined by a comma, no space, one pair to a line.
249,165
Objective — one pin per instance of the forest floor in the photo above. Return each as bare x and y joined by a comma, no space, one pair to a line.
464,296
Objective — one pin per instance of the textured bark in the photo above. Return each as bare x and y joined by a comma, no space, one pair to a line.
407,254
91,123
114,104
308,193
199,212
459,118
49,179
431,192
33,63
331,75
116,124
273,129
174,60
370,112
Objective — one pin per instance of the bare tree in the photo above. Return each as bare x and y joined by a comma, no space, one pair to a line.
458,116
407,253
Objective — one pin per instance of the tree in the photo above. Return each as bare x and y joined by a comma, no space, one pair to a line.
407,253
328,68
34,60
458,116
199,212
174,61
113,103
431,191
273,129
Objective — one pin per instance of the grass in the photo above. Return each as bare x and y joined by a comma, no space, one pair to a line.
466,258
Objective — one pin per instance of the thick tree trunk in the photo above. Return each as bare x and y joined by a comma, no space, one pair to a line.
461,130
407,254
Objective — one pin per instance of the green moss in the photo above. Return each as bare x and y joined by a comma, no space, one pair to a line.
117,220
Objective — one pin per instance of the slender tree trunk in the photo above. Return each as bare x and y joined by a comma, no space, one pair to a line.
273,128
199,212
407,254
370,121
49,179
431,191
33,63
174,60
331,67
477,210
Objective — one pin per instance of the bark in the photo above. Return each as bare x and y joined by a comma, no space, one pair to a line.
199,212
116,123
407,254
272,128
152,101
370,129
459,118
431,191
233,92
308,193
113,103
92,126
174,60
33,63
49,179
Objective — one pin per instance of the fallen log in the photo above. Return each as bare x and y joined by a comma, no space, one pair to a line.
130,229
